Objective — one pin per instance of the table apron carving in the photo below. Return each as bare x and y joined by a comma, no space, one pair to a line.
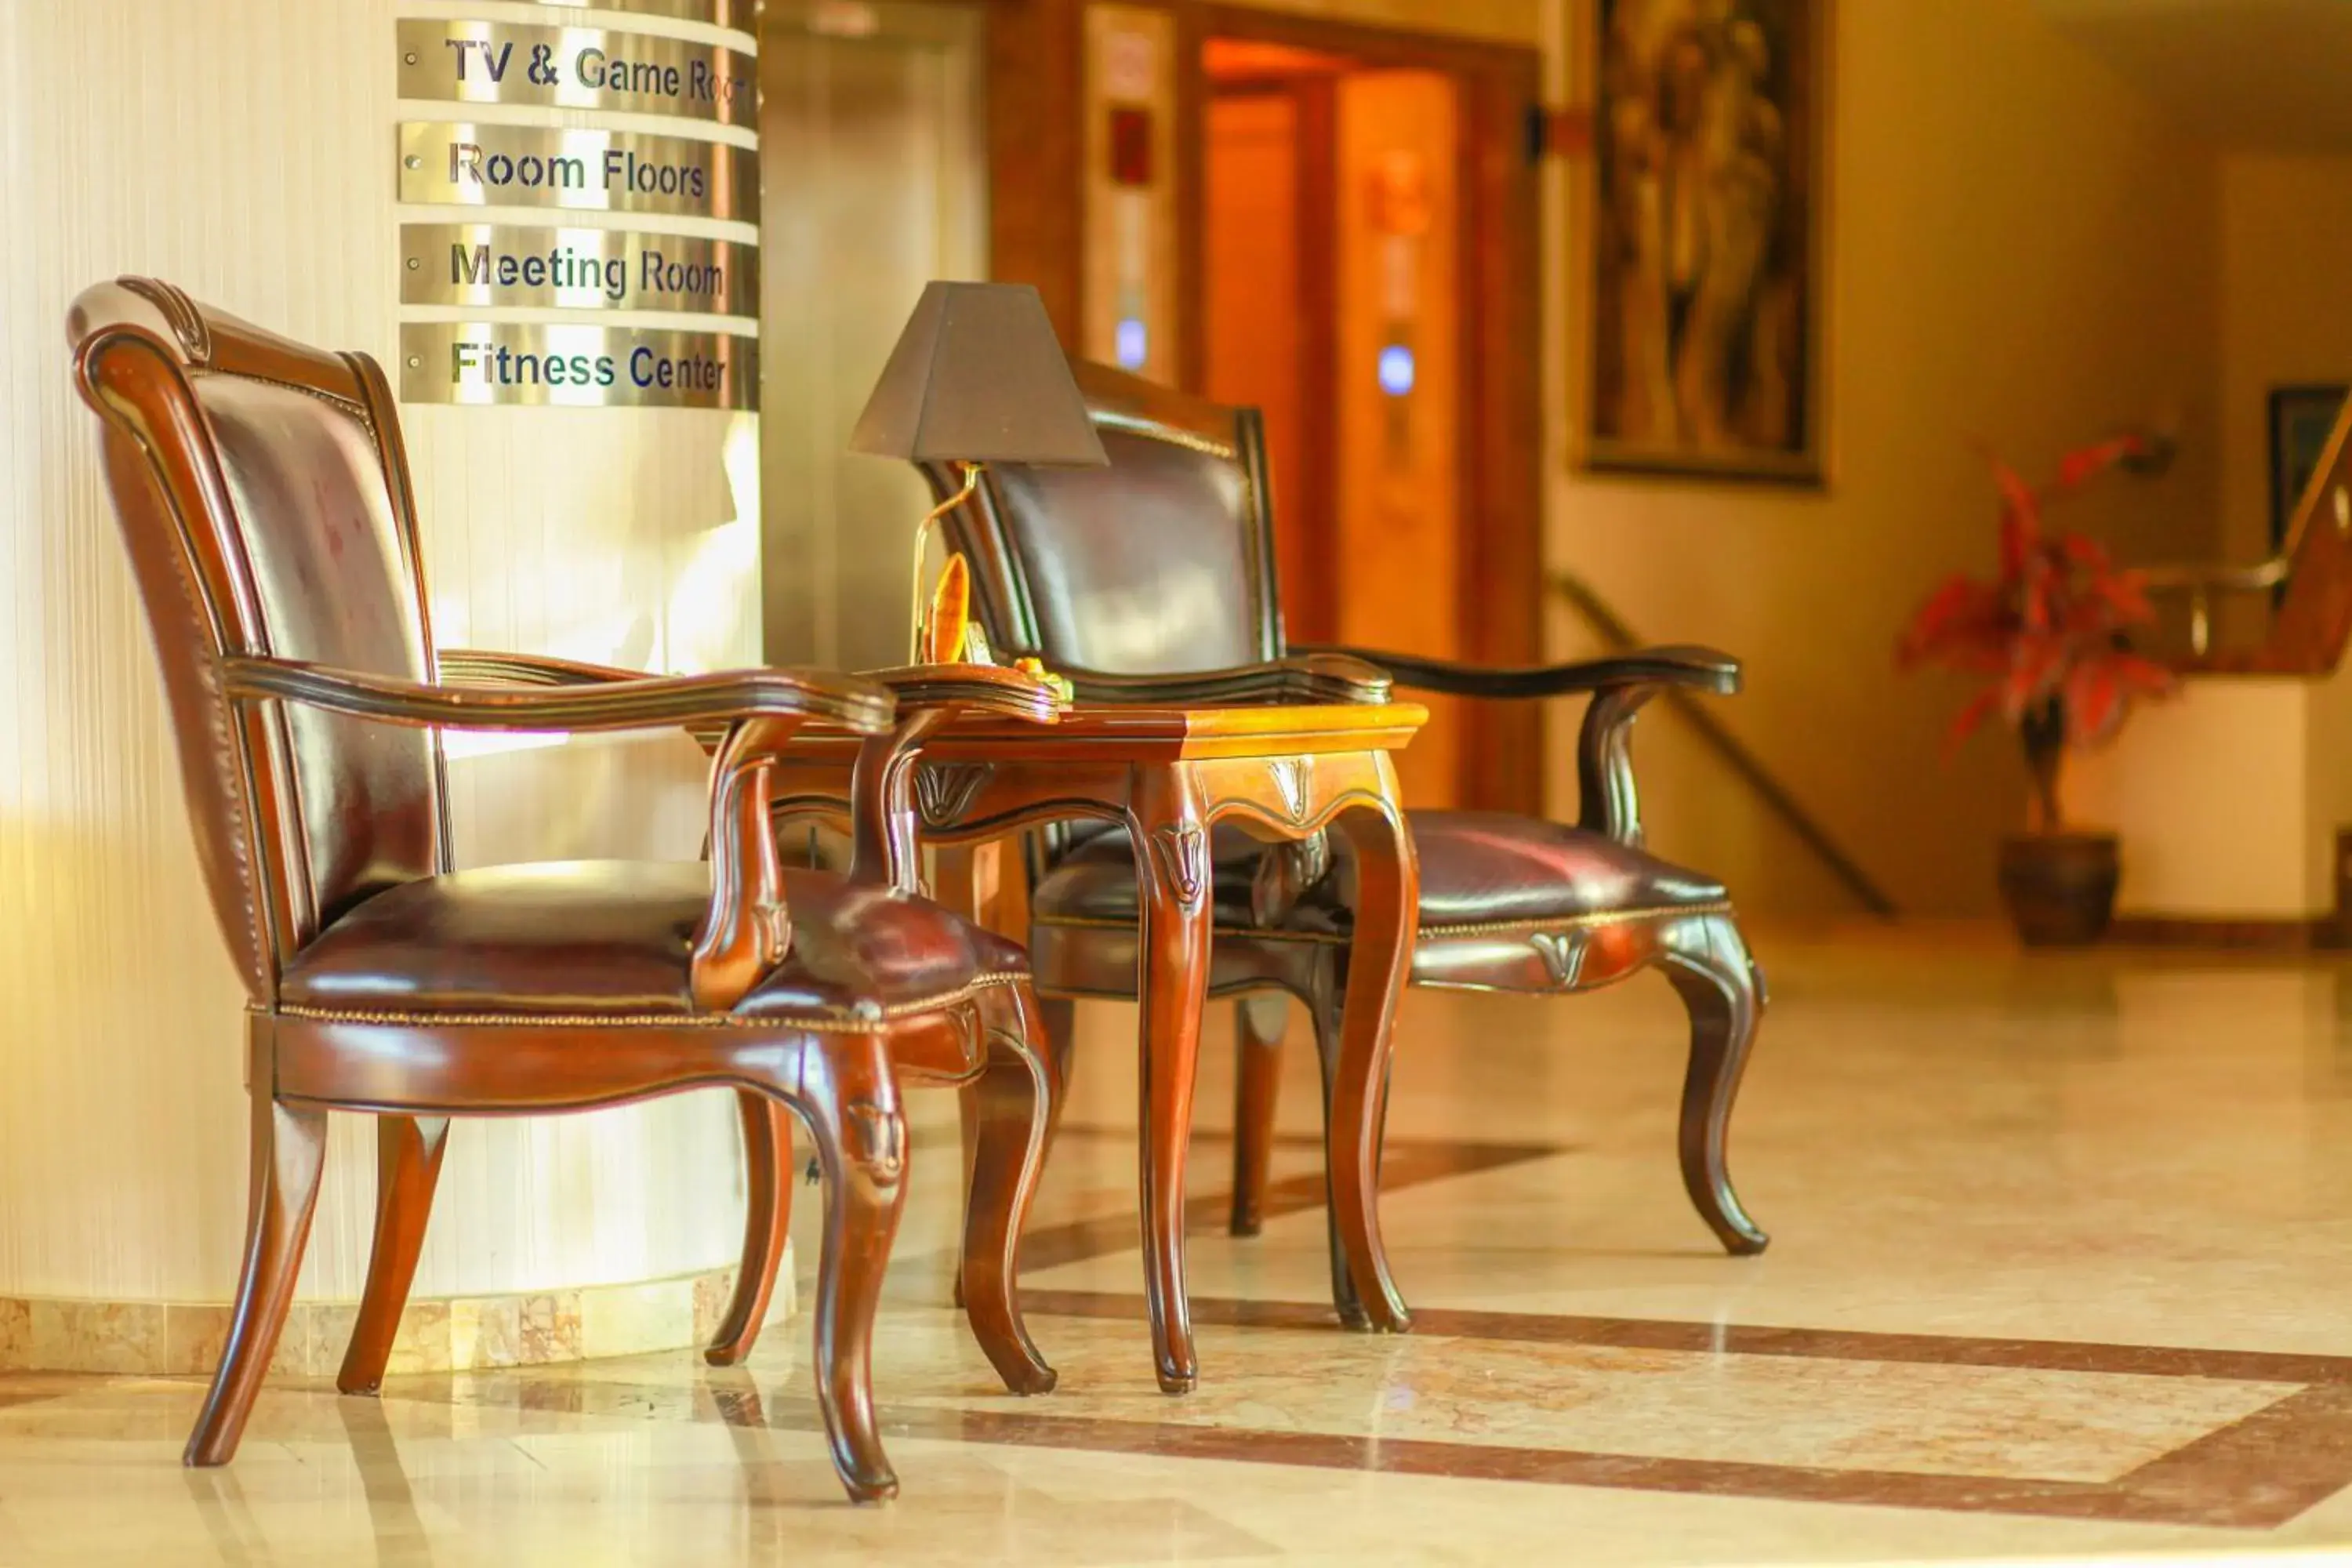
1289,775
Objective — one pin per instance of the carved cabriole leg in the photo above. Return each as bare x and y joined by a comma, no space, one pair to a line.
767,1220
1058,1023
849,1097
1323,1012
1388,903
1257,1080
1055,1020
1708,962
964,878
408,1152
1171,857
1017,1099
289,1149
968,1115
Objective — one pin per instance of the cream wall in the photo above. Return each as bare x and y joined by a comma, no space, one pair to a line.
2286,314
2210,798
2021,253
244,149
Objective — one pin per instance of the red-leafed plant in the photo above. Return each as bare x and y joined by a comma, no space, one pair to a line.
2048,634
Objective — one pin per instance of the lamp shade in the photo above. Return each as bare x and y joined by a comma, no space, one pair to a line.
979,377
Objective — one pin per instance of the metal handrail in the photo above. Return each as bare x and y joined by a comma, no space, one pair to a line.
1619,637
2200,583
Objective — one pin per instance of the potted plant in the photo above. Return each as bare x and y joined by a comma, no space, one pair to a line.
2049,635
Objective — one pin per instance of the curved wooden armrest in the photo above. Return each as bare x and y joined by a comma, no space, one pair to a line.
634,702
1701,668
975,688
972,688
1619,686
746,930
478,667
1334,675
882,836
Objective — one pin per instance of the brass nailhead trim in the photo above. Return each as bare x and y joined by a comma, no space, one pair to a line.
333,400
1077,922
1426,934
834,1021
1576,923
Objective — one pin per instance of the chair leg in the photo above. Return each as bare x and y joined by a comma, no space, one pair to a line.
849,1097
967,1117
290,1150
1058,1023
1017,1098
1055,1020
1323,1012
767,1221
1721,987
1257,1079
408,1152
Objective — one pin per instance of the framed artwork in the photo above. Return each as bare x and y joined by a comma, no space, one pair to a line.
2301,418
1707,219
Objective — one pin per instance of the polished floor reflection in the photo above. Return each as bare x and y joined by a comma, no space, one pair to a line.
2062,1266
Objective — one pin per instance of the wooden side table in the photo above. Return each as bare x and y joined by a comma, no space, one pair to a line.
1166,774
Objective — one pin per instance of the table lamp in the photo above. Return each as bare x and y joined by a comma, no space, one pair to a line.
977,377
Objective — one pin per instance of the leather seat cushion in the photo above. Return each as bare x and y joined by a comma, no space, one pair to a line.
1477,866
614,936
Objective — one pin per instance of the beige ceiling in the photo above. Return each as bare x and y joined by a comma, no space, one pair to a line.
2247,75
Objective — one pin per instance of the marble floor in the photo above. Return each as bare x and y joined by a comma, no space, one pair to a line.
2062,1269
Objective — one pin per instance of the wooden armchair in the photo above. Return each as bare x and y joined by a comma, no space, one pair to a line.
1161,568
265,499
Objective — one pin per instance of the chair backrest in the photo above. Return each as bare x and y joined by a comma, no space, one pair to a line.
264,497
1161,564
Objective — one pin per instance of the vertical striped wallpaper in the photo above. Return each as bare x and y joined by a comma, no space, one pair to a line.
244,149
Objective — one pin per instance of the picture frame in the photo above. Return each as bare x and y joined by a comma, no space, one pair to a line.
1704,360
2302,418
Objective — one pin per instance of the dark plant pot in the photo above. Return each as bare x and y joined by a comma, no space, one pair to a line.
2060,888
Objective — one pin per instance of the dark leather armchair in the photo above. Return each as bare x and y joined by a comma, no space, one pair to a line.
1161,567
265,499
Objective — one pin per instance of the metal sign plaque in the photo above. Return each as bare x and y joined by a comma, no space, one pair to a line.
739,14
577,68
457,163
575,268
486,364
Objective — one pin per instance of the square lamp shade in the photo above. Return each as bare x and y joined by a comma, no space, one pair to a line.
979,377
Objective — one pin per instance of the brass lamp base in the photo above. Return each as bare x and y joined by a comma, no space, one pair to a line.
921,610
945,632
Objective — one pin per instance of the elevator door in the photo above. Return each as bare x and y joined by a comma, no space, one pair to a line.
872,182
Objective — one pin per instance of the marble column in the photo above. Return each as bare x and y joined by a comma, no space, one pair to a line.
246,151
